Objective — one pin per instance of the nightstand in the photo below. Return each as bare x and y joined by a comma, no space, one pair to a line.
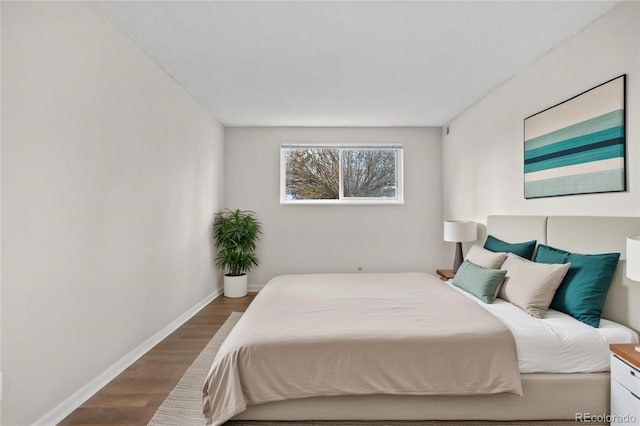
445,274
625,385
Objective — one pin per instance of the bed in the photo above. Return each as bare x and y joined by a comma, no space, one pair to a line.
551,391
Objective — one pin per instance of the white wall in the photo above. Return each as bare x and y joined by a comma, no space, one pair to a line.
330,238
483,155
0,225
110,175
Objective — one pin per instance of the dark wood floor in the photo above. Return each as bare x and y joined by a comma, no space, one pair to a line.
133,397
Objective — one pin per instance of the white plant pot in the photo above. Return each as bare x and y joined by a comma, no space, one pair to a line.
235,286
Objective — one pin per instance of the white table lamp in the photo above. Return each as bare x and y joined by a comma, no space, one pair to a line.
633,258
633,262
459,231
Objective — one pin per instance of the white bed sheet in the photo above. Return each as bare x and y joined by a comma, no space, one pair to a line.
558,343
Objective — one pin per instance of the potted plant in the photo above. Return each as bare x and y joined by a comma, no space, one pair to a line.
235,233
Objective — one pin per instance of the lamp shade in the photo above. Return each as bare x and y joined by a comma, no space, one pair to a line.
633,258
456,231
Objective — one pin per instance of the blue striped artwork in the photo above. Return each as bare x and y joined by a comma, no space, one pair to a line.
578,146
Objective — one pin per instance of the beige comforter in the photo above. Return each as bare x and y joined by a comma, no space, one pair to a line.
338,334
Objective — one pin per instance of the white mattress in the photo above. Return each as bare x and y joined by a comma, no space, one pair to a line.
558,343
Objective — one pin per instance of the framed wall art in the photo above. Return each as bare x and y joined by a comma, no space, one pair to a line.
577,146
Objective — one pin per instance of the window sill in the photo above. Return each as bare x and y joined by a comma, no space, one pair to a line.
343,202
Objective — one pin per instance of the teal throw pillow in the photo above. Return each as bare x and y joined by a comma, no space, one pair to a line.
546,254
524,249
583,291
483,283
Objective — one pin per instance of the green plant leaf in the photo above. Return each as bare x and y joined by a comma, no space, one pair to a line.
235,234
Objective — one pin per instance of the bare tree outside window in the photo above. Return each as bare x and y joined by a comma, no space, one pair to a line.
341,174
313,174
369,173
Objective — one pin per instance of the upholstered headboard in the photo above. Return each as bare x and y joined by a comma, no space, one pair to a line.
583,234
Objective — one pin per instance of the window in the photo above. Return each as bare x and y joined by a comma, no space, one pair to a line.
341,174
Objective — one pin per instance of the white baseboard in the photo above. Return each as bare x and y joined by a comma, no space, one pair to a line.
67,406
254,287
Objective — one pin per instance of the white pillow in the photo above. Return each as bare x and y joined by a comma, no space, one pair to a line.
485,258
531,285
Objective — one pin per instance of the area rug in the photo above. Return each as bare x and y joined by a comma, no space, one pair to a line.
183,406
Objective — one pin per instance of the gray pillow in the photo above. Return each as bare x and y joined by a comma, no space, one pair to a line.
530,285
483,283
485,258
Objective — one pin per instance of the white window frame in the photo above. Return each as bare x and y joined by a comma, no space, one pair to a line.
398,199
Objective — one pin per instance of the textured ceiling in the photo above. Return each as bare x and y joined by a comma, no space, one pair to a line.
346,63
